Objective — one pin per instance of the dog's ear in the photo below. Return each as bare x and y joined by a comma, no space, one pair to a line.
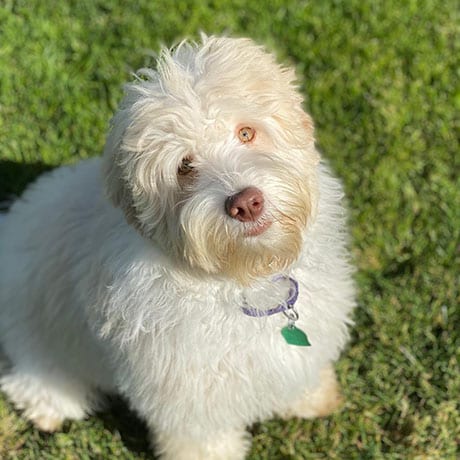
115,184
302,130
117,190
307,123
309,133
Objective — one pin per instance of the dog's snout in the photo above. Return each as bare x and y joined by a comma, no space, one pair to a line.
245,206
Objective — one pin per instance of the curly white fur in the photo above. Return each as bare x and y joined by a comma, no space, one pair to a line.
144,297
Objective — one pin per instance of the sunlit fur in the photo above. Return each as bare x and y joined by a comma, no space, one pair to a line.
197,99
125,274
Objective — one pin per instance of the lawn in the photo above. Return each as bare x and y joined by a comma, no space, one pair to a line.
382,81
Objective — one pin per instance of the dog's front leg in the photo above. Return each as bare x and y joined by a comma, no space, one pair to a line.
185,424
319,402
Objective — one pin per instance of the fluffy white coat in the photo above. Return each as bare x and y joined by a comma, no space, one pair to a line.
140,299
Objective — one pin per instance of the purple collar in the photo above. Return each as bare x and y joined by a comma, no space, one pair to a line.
287,304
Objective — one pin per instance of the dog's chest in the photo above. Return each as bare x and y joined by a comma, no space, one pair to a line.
218,339
200,342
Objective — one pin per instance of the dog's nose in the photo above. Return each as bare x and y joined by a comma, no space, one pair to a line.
245,206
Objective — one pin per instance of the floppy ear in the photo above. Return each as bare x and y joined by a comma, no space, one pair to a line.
300,125
115,184
308,125
309,133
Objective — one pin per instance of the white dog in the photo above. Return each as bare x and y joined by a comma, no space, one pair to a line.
199,269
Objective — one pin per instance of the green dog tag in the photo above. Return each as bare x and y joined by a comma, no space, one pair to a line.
295,336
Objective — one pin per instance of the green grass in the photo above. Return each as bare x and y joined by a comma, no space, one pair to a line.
381,79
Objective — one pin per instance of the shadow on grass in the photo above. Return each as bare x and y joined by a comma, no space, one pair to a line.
14,177
119,418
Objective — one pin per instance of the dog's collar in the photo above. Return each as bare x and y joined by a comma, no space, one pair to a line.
288,304
292,334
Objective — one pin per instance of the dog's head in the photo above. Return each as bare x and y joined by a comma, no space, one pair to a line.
213,158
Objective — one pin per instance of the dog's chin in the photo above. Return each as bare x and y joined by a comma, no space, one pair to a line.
256,250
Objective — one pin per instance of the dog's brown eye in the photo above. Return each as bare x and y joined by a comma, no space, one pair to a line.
185,167
246,134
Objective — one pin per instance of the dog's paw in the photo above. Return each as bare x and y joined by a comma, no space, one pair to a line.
231,445
43,402
322,401
48,424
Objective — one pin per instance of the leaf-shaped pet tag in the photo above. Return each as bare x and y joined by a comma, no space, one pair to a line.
295,336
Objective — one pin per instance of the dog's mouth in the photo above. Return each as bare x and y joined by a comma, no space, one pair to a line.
257,228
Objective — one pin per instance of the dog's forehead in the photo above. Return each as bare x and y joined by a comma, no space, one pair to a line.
224,77
214,107
197,97
209,111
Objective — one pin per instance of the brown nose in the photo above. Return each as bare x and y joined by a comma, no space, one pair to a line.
245,206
